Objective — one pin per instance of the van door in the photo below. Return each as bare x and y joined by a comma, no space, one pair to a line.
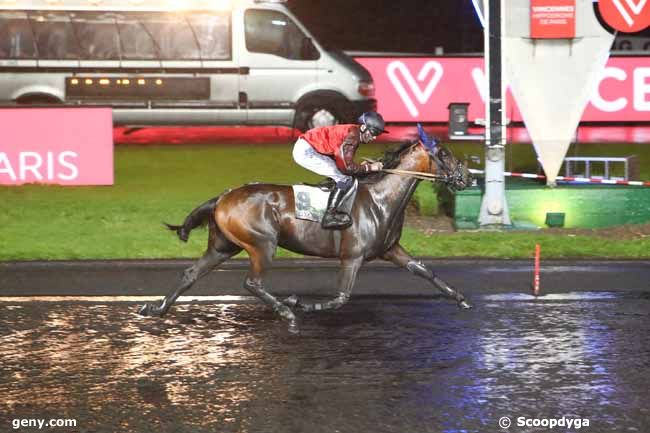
282,66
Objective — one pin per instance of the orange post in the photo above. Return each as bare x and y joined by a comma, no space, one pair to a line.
536,278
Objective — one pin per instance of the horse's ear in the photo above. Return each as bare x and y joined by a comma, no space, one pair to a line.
429,142
422,134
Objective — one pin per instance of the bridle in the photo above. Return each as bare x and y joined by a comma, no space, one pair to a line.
450,176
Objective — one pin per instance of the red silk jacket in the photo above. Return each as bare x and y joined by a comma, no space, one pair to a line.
339,142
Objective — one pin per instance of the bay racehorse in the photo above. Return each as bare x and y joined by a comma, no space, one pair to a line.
259,218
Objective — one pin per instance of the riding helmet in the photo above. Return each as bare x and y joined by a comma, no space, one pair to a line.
374,122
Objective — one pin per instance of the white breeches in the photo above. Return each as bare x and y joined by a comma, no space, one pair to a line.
307,157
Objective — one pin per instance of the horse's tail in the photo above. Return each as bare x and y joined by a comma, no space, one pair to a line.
198,217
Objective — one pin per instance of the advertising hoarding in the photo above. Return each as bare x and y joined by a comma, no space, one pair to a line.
65,146
419,89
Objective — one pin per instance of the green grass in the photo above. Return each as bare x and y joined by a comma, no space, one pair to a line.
521,245
426,199
152,184
163,183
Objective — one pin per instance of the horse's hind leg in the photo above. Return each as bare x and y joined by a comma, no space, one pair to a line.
260,258
401,258
212,257
347,277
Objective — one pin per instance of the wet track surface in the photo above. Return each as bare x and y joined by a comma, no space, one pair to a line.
377,365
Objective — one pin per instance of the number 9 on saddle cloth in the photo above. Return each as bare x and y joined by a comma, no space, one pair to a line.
311,201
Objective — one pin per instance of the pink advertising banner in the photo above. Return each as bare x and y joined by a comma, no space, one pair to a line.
65,146
410,89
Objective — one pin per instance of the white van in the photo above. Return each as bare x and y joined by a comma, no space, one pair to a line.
177,62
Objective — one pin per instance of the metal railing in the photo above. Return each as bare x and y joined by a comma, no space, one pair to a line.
602,167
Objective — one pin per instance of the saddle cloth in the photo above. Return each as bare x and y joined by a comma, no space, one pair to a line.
311,201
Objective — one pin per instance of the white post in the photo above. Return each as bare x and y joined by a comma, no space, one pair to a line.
494,208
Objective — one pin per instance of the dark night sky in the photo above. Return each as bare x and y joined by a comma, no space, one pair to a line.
407,26
404,26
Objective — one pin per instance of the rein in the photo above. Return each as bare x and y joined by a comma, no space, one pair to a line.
416,174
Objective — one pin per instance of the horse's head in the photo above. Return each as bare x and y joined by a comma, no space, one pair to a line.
453,173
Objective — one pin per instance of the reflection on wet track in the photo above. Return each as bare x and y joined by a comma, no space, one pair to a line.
377,365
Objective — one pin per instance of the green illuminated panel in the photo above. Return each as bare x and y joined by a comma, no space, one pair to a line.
587,206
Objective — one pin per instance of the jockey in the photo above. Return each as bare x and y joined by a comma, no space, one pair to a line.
329,151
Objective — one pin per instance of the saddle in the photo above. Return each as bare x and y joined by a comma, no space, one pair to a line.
311,200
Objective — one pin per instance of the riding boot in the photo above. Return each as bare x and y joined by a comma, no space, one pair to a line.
334,219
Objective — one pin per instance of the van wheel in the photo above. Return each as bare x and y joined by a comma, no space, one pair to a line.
317,115
38,99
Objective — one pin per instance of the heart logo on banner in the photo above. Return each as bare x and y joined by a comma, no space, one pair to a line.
628,16
421,95
636,8
480,81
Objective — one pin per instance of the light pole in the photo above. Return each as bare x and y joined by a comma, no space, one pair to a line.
494,207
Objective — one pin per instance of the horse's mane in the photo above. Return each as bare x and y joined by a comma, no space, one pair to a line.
390,159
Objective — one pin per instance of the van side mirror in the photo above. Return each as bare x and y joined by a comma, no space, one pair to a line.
308,50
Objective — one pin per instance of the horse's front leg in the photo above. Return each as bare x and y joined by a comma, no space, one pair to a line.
347,277
401,258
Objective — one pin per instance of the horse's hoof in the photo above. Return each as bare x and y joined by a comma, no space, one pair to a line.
150,310
464,305
291,301
293,327
145,310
